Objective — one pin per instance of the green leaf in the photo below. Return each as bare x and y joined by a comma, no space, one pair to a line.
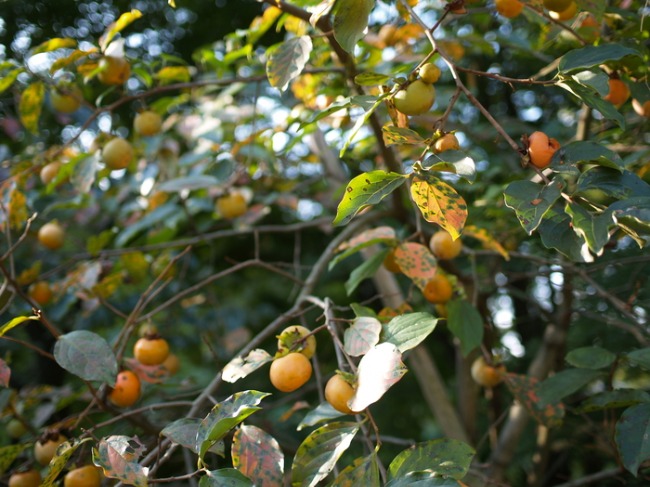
365,271
466,323
13,323
371,79
564,383
239,367
54,44
350,21
30,105
287,60
9,453
60,461
422,479
159,215
361,336
640,358
257,455
592,227
409,330
361,122
116,27
323,412
363,472
531,201
400,136
225,477
188,183
366,189
633,436
439,203
620,185
634,213
183,432
442,457
590,358
86,355
8,79
225,416
453,161
620,398
318,453
596,80
591,56
579,152
556,232
594,100
173,74
524,389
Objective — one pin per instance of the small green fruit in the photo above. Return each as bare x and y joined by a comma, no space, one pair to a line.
417,98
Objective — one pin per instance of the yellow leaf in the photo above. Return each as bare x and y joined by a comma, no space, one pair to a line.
31,102
440,203
488,241
17,209
117,26
54,44
173,74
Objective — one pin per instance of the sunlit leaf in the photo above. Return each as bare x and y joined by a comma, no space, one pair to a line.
323,412
86,355
409,330
224,416
116,27
361,122
188,183
118,456
443,457
365,239
239,367
400,136
13,323
453,161
257,455
366,189
73,57
633,436
183,432
378,371
54,44
350,21
318,453
440,203
363,471
590,56
29,107
361,336
371,79
6,80
60,460
593,228
17,208
173,74
531,201
287,60
416,262
486,239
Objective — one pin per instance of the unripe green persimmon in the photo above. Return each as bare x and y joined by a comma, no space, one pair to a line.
429,73
67,99
117,153
416,99
147,123
114,70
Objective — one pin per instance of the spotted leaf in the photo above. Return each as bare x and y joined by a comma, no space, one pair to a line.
440,203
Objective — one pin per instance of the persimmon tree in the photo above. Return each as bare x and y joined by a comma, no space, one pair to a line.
432,214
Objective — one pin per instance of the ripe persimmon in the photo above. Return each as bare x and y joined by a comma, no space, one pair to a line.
51,235
66,99
618,92
45,449
86,476
642,109
541,149
487,375
445,143
40,292
509,8
338,392
232,205
114,70
438,290
126,391
290,372
390,263
117,153
443,246
29,478
151,350
292,338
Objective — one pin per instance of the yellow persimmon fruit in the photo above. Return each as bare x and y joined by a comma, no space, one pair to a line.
429,73
509,8
147,123
443,246
66,99
232,205
290,372
445,143
117,153
557,5
338,392
487,375
416,99
51,235
114,70
566,14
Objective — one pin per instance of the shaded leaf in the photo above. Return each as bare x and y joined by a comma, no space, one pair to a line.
9,453
453,161
440,203
363,471
378,371
531,201
85,169
564,383
225,477
361,336
224,416
60,461
422,479
555,231
416,262
371,79
257,455
366,189
591,56
595,101
365,271
188,183
443,457
400,136
287,60
86,355
640,357
116,27
524,389
487,240
239,367
466,323
633,436
318,453
409,330
593,228
5,374
620,398
590,358
13,323
183,432
365,239
587,151
30,105
71,58
362,122
118,456
350,21
323,412
6,80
